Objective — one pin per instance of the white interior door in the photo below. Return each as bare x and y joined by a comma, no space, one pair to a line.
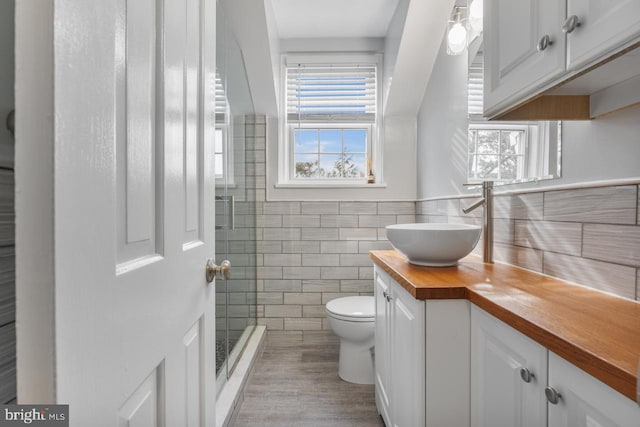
132,213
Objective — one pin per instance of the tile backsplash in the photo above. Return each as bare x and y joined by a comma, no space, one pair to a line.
590,236
311,252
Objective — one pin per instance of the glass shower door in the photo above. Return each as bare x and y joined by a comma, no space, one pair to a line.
235,203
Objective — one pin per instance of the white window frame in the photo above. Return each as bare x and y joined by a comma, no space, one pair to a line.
286,166
224,122
528,129
370,128
542,139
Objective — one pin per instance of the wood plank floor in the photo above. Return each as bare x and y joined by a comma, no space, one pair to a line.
297,384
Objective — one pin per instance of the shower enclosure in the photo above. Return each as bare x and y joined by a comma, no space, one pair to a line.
235,203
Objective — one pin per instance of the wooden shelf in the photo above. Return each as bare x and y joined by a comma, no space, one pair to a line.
551,107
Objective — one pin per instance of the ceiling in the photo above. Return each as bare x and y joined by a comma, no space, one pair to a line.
333,18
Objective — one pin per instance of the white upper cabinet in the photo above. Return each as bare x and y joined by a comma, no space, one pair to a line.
604,26
582,400
564,50
524,48
508,375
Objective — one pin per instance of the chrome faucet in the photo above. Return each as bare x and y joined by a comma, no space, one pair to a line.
487,219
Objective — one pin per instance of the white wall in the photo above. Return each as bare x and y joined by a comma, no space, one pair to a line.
252,24
392,44
442,128
598,150
7,8
274,45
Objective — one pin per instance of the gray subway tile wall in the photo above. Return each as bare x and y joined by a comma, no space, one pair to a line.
519,206
607,205
309,253
614,278
612,243
561,237
589,236
312,252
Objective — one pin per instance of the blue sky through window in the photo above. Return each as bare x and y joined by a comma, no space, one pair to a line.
355,140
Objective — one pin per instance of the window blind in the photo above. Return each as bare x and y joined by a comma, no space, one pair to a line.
221,97
476,86
331,93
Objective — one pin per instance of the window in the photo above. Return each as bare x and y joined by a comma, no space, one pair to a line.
507,151
219,153
497,152
223,161
331,118
330,152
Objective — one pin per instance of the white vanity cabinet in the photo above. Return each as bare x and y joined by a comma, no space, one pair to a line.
533,45
508,375
421,357
382,379
584,400
518,382
399,354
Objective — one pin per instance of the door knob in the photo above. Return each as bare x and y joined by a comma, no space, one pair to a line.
212,270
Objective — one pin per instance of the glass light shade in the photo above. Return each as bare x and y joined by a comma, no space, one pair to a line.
456,39
475,15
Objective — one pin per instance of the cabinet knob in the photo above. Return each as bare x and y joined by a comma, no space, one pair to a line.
387,296
526,375
553,396
571,24
544,43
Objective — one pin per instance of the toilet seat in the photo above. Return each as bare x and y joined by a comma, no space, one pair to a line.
352,309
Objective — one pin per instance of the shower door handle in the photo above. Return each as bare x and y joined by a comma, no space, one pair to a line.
230,204
212,270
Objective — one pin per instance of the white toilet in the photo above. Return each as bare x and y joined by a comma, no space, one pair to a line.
352,320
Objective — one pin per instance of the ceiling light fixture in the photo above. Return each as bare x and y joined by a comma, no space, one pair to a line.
457,32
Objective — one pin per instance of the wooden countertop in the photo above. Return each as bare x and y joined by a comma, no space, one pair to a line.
598,332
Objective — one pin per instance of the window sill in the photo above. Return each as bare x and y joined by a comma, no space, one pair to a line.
329,185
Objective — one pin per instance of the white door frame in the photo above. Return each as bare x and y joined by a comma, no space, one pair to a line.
35,273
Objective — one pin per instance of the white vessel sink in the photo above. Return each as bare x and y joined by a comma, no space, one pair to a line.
434,244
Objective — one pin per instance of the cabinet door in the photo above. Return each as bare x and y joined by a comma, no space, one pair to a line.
585,401
382,344
605,26
407,359
500,396
514,67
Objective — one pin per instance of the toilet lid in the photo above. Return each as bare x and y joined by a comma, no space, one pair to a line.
355,307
